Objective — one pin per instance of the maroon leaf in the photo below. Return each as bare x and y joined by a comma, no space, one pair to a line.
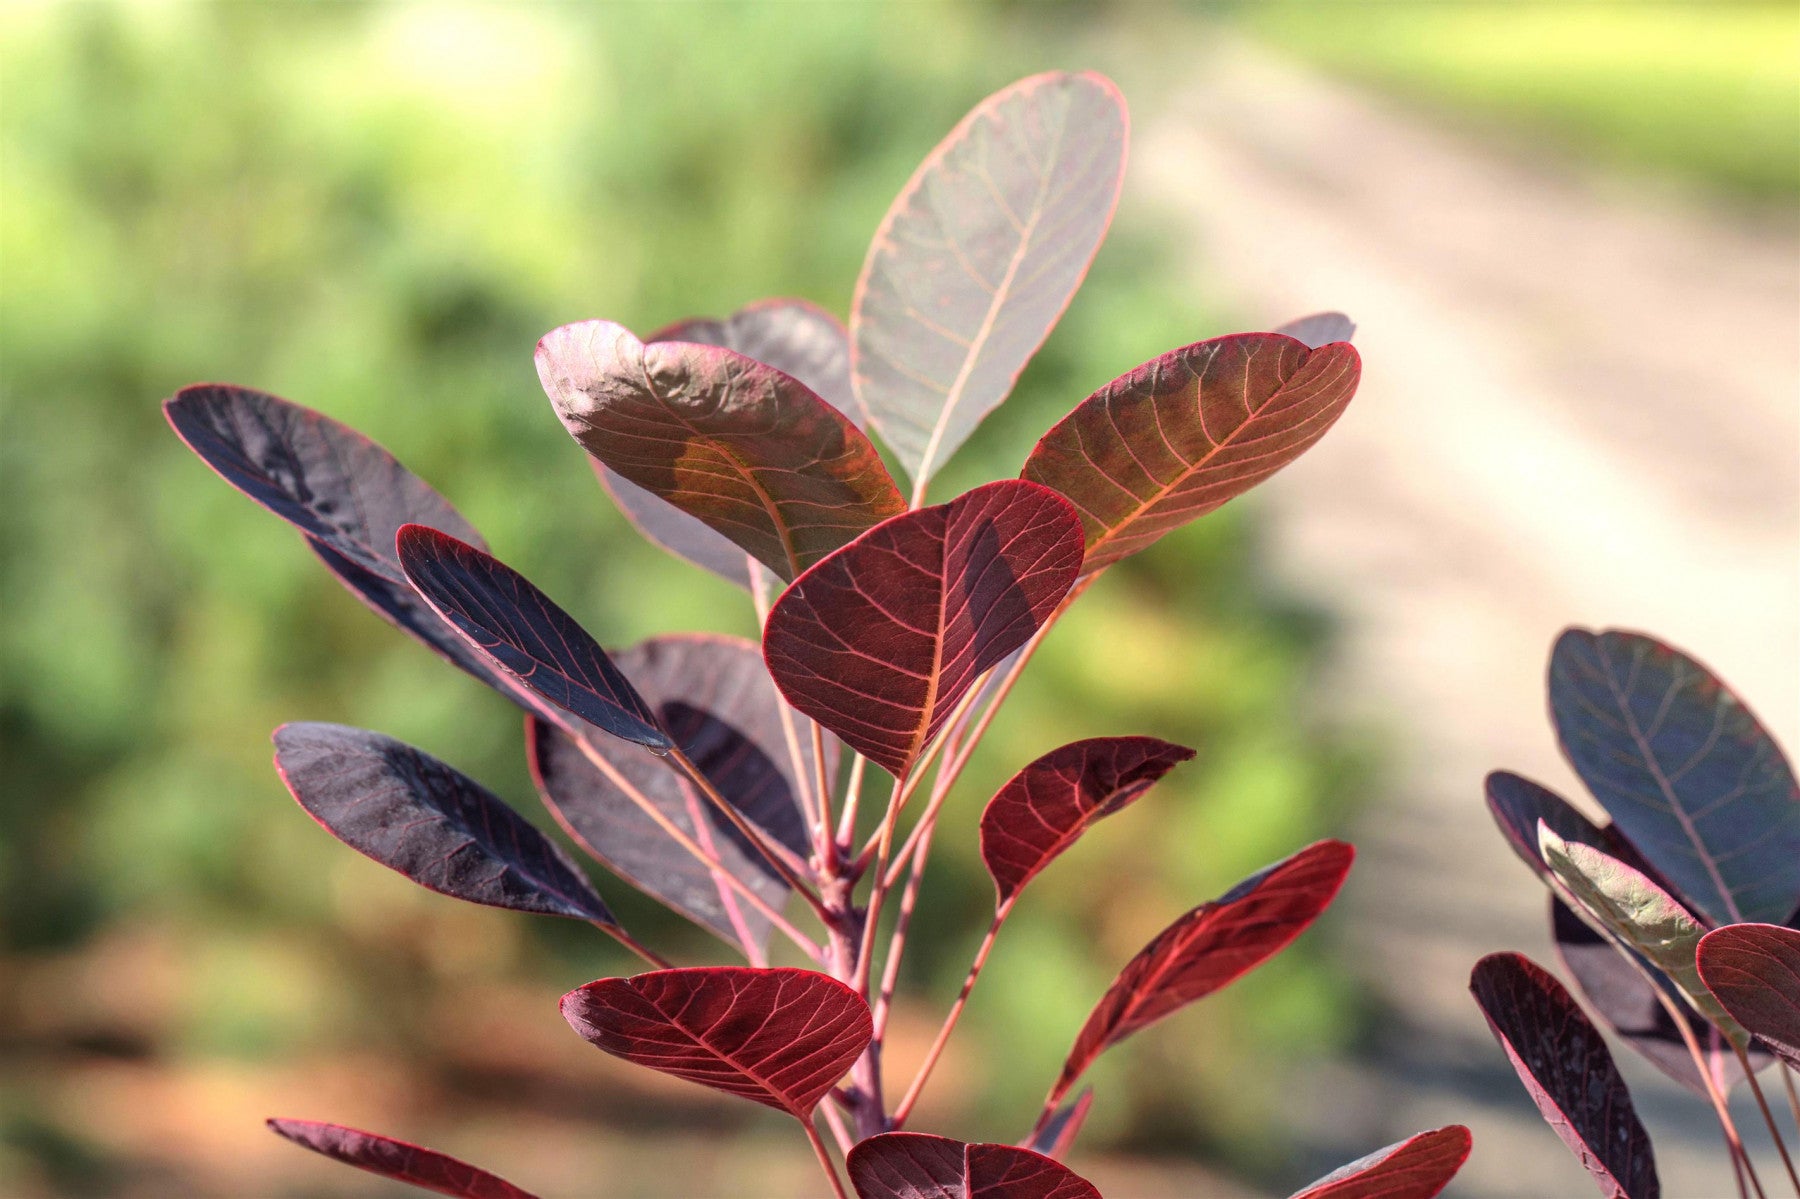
511,622
1060,1131
879,641
1044,808
1210,947
1564,1063
1685,770
415,815
1319,329
978,257
1517,804
741,446
780,1037
424,1168
1754,971
1417,1168
714,697
916,1165
1182,434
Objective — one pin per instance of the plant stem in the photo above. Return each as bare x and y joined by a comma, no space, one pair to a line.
1733,1141
812,803
846,831
878,889
1768,1117
1787,1084
890,972
824,1155
835,1122
823,846
657,961
956,1009
778,856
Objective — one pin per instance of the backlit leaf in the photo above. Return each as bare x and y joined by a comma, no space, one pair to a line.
1754,971
978,257
1180,435
1563,1061
780,1037
1319,329
424,1168
1417,1168
916,1165
438,827
879,641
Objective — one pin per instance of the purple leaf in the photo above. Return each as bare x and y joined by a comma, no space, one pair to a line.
916,1165
1518,804
1417,1168
1210,947
1563,1062
1319,329
714,697
779,1037
424,1168
1044,808
879,641
517,626
978,257
746,449
1180,435
1687,773
1060,1131
438,827
1754,971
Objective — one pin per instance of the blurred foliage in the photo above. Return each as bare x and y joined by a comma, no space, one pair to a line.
1707,92
376,211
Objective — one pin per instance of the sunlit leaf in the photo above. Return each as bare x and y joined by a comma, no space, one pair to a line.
1754,971
915,1165
424,1168
1518,804
1417,1168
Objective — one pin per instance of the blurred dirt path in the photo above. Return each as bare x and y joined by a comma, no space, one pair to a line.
1579,407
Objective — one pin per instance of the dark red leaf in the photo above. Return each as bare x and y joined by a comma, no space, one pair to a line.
414,814
1319,329
1517,804
1060,1131
1417,1168
1044,808
1685,770
780,1037
1754,971
1563,1061
424,1168
1183,433
1210,947
510,621
879,641
714,697
978,257
916,1165
746,449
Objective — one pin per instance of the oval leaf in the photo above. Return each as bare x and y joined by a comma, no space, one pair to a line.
424,1168
916,1165
1754,971
748,450
1319,329
1213,945
1563,1062
978,257
415,815
1684,769
879,641
1417,1168
1182,434
506,618
780,1037
1060,1131
714,697
1044,808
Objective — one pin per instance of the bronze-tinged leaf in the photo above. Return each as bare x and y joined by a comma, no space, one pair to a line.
879,641
779,1037
739,445
1563,1061
412,1164
1183,433
1754,970
1044,808
1210,947
1419,1167
916,1165
978,257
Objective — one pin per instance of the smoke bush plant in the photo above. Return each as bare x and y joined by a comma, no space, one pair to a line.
724,779
1676,920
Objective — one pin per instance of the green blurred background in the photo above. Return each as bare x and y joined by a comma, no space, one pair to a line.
376,210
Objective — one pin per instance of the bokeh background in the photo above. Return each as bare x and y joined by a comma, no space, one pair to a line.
1567,231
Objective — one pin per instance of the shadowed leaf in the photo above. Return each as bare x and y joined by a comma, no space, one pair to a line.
915,1165
1058,1134
1685,770
978,257
714,697
438,827
1044,808
510,621
1517,805
424,1168
879,641
780,1037
1417,1168
1754,971
1319,329
1182,434
1210,947
746,449
1563,1062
